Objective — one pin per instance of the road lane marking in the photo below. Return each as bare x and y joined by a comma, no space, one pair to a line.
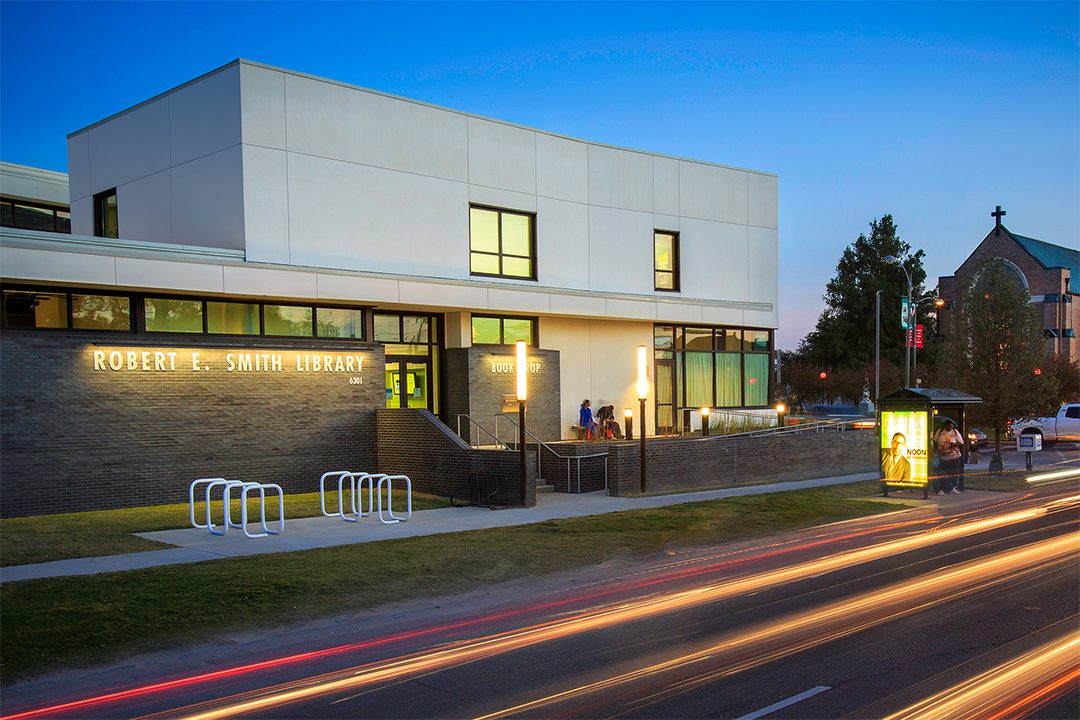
785,703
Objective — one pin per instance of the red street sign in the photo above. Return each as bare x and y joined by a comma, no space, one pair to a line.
918,337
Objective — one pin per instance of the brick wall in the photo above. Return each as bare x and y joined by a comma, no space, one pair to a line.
474,388
414,442
75,438
686,463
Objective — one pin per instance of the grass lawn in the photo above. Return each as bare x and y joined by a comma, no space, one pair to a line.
1009,481
62,621
110,532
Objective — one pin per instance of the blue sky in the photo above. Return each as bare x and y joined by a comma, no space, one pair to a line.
932,112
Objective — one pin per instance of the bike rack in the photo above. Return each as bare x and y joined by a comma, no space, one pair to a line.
322,491
389,480
191,499
356,495
227,486
262,488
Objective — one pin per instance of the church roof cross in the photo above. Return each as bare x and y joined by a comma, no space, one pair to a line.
997,215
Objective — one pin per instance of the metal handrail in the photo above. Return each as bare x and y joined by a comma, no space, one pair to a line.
816,426
481,427
541,444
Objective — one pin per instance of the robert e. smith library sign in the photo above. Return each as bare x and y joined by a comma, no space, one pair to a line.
119,360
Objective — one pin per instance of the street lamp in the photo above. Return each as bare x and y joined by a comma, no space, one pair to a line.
907,319
780,410
705,422
643,394
522,396
877,346
628,423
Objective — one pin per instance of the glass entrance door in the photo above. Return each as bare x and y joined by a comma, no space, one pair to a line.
407,382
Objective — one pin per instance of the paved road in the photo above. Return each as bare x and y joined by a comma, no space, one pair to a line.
966,609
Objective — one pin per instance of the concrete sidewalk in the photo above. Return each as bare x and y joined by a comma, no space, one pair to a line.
193,545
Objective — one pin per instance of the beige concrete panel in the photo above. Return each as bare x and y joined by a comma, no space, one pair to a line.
722,316
49,266
144,208
458,327
32,186
517,301
349,124
667,222
614,368
270,283
262,107
665,186
562,168
620,179
631,309
620,251
678,312
130,146
266,204
763,200
78,150
572,339
352,288
754,318
712,193
502,156
713,260
562,243
208,201
582,305
506,199
82,216
170,275
444,294
763,265
204,117
356,217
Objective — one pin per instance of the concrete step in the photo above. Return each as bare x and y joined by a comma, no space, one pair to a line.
543,487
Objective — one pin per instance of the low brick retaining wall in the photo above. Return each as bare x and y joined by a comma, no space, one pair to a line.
684,463
417,444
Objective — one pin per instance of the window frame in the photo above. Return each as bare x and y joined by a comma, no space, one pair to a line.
99,216
54,209
534,333
676,285
67,292
532,243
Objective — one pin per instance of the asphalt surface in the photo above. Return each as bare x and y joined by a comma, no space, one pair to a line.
861,619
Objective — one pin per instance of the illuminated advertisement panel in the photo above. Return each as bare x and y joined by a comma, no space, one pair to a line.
905,438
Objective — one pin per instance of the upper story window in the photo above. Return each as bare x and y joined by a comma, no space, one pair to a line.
34,216
502,330
64,310
502,243
105,217
666,260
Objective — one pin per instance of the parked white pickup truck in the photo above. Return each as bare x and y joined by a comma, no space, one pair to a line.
1063,426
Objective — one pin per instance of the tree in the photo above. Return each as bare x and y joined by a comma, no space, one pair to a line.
997,348
844,336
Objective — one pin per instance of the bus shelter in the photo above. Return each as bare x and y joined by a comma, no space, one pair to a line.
907,422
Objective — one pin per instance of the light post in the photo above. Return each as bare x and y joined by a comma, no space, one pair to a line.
877,346
522,395
780,410
643,394
704,422
628,423
907,320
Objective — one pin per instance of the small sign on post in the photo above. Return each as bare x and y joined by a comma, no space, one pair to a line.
905,313
1027,444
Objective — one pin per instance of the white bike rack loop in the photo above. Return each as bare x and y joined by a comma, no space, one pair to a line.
322,491
356,495
262,488
191,500
388,480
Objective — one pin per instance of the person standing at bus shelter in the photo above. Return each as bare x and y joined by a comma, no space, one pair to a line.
948,444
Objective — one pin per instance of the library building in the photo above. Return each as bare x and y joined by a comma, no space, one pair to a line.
264,274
